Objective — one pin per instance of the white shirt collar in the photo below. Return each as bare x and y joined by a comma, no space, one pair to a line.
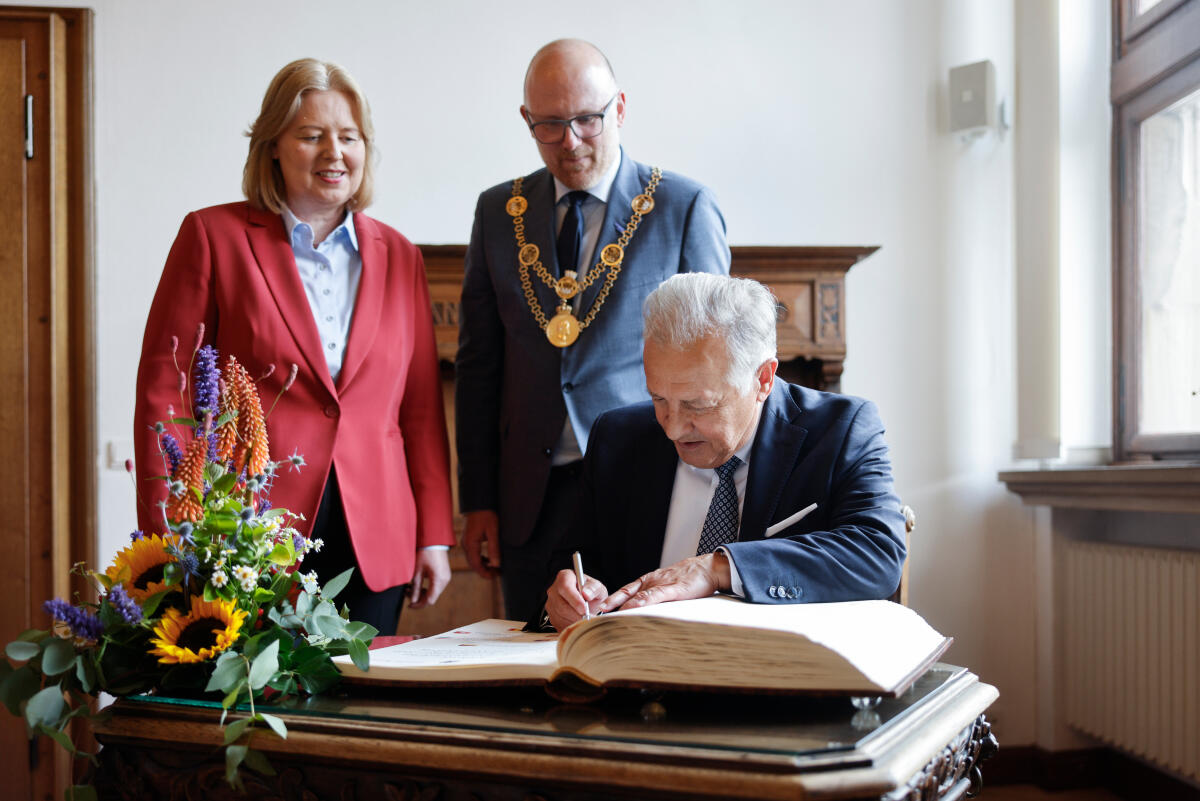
290,221
599,190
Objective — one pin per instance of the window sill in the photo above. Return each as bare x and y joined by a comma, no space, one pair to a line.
1129,487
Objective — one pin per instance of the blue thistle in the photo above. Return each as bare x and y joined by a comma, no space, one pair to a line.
171,448
82,623
126,607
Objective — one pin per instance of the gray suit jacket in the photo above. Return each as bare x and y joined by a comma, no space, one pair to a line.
513,389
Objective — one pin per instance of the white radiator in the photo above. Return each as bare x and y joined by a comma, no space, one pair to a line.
1130,629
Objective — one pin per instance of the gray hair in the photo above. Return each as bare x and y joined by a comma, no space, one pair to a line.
689,307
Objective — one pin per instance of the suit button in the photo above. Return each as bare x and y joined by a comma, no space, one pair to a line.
548,452
567,387
771,591
331,411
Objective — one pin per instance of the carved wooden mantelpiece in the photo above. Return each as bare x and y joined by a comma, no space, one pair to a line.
810,283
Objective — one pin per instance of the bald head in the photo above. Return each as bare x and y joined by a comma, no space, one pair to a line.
566,79
563,59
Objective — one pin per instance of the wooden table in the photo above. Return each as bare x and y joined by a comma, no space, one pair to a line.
516,744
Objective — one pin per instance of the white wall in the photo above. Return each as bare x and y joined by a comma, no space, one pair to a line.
814,123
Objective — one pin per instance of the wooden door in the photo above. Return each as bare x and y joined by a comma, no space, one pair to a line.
46,482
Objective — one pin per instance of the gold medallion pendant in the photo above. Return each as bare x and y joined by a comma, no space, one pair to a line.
564,328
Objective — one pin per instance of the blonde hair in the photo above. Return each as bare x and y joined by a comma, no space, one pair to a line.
262,180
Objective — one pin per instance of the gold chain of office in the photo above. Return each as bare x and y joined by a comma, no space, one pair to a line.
563,329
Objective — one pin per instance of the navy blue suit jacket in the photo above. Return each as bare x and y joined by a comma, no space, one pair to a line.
810,446
513,389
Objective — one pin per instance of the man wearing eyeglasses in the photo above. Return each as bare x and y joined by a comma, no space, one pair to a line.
550,325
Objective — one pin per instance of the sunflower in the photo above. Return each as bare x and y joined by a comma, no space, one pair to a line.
144,560
208,629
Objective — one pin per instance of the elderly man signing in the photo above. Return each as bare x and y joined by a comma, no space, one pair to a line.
679,494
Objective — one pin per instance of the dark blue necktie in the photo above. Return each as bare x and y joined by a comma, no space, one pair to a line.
570,236
721,522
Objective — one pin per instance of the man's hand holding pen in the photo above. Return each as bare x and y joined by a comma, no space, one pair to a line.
569,599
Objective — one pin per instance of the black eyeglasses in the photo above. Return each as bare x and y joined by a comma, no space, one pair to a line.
584,126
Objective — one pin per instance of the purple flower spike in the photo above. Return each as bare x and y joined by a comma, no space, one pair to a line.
174,454
206,380
136,535
126,607
83,624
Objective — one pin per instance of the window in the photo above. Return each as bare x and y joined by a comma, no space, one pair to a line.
1156,210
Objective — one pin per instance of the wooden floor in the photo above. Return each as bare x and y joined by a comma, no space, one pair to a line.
1027,792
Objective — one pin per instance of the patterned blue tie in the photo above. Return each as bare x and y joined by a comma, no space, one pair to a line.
721,522
570,236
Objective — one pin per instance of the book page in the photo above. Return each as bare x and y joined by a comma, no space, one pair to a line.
857,645
488,650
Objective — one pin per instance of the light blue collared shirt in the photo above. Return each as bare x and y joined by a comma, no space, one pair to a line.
330,273
594,208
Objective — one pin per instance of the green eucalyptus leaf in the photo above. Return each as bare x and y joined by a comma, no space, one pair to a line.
34,635
234,754
59,657
80,792
18,687
236,729
86,673
264,666
357,630
277,725
257,761
359,655
231,697
337,584
59,737
183,421
229,673
46,708
20,651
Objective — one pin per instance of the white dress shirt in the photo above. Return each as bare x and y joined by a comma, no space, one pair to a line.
691,495
330,273
593,208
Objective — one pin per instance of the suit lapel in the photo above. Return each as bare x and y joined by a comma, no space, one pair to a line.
368,306
656,484
277,262
616,213
776,450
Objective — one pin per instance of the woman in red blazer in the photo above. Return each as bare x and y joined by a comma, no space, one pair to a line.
298,275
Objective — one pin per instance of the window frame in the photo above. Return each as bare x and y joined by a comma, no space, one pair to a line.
1156,62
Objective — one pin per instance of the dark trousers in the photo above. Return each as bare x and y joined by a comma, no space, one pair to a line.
525,570
380,609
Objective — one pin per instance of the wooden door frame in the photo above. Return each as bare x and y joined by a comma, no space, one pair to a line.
80,265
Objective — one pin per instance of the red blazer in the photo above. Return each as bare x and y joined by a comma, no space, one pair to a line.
382,424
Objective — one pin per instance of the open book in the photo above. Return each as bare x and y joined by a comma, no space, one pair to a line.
717,643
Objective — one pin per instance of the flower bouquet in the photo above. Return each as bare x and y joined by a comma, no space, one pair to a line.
216,603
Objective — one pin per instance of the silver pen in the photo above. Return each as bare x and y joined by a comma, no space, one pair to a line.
578,561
